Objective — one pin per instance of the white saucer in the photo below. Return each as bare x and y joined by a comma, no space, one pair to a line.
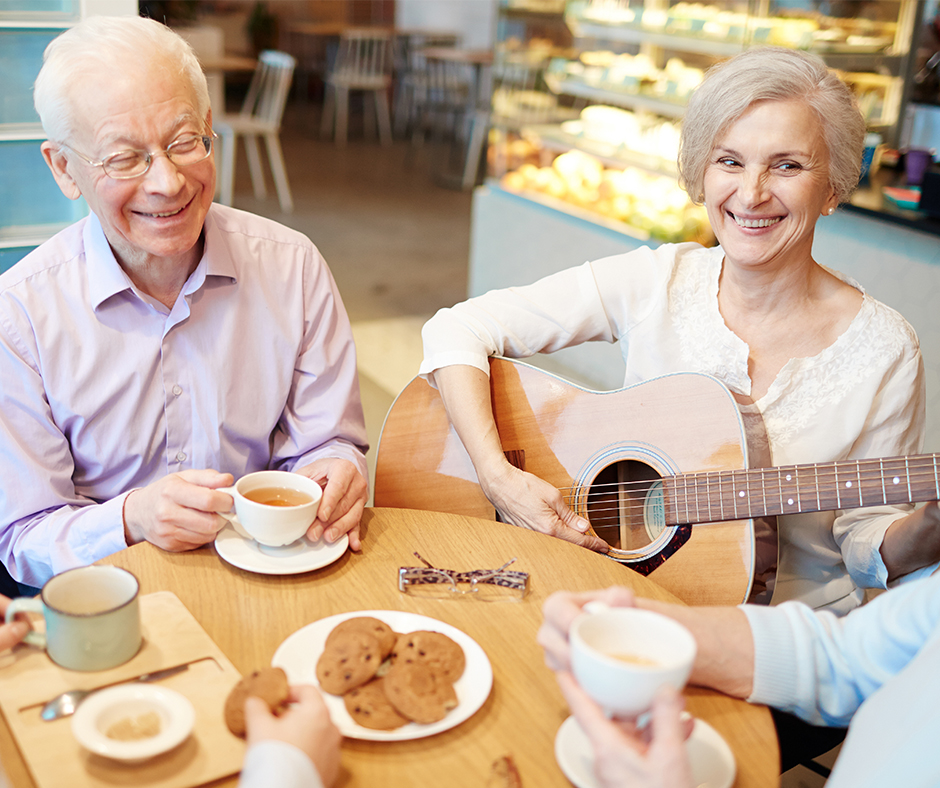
713,763
242,551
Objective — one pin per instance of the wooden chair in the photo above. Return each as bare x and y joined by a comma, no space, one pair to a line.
412,80
260,117
364,63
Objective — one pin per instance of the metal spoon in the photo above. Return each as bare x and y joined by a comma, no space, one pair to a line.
64,705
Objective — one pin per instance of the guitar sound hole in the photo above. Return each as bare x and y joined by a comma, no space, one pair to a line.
624,505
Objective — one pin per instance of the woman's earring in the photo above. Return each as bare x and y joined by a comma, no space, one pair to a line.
831,211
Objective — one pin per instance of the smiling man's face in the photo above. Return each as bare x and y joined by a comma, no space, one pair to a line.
155,218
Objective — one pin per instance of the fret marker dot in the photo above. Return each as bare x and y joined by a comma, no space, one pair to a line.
790,501
896,480
848,484
741,494
789,478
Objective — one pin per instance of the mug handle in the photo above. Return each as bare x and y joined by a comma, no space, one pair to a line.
25,604
231,516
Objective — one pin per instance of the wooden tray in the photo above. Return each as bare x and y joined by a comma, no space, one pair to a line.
28,678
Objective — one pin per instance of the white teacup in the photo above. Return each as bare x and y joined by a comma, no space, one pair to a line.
92,617
275,508
621,656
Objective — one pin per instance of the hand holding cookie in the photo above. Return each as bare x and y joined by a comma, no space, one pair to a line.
268,684
306,724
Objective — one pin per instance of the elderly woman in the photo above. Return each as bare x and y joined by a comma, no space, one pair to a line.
771,142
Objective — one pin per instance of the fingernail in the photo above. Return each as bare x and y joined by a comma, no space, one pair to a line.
316,533
581,525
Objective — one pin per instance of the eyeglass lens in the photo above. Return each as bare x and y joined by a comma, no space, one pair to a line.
182,152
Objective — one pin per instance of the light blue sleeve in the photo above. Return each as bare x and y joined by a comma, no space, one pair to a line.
272,762
821,667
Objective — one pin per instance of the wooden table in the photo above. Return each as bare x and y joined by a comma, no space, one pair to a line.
249,615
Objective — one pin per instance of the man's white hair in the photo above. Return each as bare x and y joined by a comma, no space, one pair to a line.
102,45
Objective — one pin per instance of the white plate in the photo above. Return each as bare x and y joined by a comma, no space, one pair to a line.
108,706
299,653
713,763
242,551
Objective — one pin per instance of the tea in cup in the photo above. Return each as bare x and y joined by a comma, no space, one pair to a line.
275,508
621,656
92,617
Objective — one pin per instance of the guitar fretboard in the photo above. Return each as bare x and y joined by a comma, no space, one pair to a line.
715,496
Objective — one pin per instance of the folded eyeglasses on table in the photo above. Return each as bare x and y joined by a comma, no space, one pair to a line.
484,584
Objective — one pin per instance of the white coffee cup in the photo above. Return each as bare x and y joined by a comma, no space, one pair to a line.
285,506
621,656
92,617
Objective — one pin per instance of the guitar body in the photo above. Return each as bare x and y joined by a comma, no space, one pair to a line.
604,450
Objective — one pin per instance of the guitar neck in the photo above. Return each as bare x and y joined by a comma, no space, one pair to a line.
716,496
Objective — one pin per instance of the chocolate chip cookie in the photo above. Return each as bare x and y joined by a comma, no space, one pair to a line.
419,692
432,649
349,661
370,707
269,684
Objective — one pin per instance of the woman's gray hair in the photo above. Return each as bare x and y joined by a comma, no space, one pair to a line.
106,44
772,74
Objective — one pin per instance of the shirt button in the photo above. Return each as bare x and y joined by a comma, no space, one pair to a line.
177,390
180,456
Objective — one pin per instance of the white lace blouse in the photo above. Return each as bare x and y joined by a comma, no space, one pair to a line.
863,396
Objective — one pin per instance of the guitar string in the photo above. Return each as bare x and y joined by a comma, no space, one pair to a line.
725,478
682,498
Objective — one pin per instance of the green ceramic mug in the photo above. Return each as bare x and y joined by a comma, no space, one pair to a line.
92,617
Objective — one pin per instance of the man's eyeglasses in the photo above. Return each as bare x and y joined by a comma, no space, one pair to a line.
191,149
484,584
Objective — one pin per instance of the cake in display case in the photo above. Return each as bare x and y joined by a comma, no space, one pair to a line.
616,81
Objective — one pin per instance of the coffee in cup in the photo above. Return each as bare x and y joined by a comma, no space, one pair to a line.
275,508
621,656
92,617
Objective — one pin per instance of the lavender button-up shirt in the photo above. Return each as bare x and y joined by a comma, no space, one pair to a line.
105,390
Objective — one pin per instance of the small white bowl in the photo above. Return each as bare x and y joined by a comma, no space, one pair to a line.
100,711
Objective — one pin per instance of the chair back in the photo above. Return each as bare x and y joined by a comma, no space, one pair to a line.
270,84
410,49
447,84
520,96
363,59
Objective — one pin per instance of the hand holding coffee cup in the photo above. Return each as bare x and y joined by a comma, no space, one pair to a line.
92,617
621,656
275,508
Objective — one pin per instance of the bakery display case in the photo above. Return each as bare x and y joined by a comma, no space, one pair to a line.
612,90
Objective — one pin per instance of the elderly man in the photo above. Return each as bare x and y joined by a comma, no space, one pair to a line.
163,345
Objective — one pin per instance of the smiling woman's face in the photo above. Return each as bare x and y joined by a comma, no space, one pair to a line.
767,183
158,216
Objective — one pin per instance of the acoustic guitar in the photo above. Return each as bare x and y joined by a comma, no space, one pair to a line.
643,464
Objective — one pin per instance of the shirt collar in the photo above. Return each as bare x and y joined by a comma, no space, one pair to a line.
107,278
219,260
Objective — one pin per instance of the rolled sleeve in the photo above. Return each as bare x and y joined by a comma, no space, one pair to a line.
895,427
